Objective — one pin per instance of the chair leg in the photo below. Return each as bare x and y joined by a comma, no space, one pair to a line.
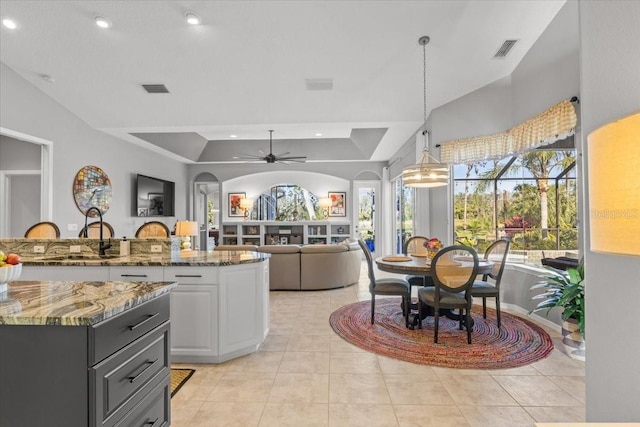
436,319
460,319
484,307
469,328
373,306
407,308
419,313
498,310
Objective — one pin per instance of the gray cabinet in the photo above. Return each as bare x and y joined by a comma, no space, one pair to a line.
109,374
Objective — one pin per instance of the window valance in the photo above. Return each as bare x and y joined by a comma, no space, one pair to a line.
557,122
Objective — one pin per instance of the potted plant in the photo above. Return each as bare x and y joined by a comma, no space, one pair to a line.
565,289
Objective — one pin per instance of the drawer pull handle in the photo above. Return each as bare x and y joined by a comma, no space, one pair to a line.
133,275
149,364
151,423
188,275
149,317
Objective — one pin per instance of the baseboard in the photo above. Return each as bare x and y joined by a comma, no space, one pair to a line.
533,317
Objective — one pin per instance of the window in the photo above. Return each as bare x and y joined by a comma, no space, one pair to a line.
531,199
287,202
404,197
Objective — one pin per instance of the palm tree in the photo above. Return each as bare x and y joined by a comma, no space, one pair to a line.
474,166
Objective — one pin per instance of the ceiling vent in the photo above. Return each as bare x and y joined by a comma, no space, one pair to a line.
319,84
155,88
504,50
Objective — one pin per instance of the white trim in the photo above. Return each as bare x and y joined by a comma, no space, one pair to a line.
5,196
533,317
24,137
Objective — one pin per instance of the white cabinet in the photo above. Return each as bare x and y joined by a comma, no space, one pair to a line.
283,232
65,273
241,309
136,273
194,319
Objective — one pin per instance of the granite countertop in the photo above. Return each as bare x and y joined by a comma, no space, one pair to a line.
188,258
73,303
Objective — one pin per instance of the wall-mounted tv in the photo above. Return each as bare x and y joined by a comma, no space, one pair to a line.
154,196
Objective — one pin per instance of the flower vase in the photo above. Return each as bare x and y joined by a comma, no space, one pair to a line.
431,253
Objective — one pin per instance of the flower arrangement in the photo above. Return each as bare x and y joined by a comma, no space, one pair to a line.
433,245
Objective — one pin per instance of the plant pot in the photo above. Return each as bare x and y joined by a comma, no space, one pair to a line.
572,340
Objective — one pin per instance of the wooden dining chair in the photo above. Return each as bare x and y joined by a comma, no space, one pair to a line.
387,286
152,229
497,253
43,230
452,286
93,230
415,246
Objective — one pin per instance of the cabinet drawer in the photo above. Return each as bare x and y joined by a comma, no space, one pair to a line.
191,275
110,336
153,411
120,379
136,273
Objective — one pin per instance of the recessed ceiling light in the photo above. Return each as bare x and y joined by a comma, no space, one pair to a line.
233,136
102,22
192,18
47,78
318,134
9,23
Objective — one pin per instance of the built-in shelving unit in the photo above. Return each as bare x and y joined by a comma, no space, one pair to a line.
282,233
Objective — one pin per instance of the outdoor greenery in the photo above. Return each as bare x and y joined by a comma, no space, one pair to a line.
288,202
532,199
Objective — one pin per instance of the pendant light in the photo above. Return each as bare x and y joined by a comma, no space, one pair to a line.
428,172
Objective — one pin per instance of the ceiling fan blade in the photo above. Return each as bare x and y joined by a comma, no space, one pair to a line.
298,158
282,154
248,157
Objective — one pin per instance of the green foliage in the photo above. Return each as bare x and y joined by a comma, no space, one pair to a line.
563,289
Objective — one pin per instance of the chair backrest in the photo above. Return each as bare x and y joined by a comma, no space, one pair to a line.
93,230
454,268
415,246
369,257
152,229
497,252
43,230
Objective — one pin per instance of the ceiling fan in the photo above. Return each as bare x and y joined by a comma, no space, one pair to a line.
272,158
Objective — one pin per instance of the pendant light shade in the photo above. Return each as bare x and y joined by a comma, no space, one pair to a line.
428,172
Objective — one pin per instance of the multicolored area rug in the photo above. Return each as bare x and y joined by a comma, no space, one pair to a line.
518,342
178,378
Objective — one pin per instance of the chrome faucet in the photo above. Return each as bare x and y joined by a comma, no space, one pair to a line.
103,247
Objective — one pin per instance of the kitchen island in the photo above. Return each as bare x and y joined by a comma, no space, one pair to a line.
219,310
84,353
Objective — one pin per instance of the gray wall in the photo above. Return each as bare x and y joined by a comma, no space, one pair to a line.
610,88
24,108
18,155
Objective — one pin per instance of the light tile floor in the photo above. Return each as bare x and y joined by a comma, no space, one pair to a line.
306,375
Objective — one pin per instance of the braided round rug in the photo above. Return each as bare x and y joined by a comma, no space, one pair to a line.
518,342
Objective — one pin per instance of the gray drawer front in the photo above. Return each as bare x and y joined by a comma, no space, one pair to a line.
110,336
120,378
153,411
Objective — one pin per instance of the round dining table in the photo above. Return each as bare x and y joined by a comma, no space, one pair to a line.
421,266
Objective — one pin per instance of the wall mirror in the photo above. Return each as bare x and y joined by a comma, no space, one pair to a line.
92,187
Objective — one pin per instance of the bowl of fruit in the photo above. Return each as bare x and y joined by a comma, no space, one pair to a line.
10,269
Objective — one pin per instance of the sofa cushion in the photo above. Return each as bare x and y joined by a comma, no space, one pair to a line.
252,248
314,249
280,249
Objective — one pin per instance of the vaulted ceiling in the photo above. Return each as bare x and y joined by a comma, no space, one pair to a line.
251,66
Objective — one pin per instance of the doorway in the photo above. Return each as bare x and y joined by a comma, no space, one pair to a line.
206,210
32,176
366,219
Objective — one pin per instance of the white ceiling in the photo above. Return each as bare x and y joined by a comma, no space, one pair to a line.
243,70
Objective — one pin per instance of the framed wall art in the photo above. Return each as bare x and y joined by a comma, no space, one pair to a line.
338,203
234,204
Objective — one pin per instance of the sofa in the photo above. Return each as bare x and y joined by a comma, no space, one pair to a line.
313,267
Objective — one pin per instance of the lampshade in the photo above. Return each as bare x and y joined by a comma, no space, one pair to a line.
246,203
324,202
614,187
186,228
425,173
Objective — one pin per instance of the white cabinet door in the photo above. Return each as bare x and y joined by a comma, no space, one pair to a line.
242,308
194,314
83,273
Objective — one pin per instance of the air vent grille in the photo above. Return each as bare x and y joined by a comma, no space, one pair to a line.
157,88
504,50
318,84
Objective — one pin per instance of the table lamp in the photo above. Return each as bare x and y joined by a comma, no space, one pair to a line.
186,229
246,204
325,204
